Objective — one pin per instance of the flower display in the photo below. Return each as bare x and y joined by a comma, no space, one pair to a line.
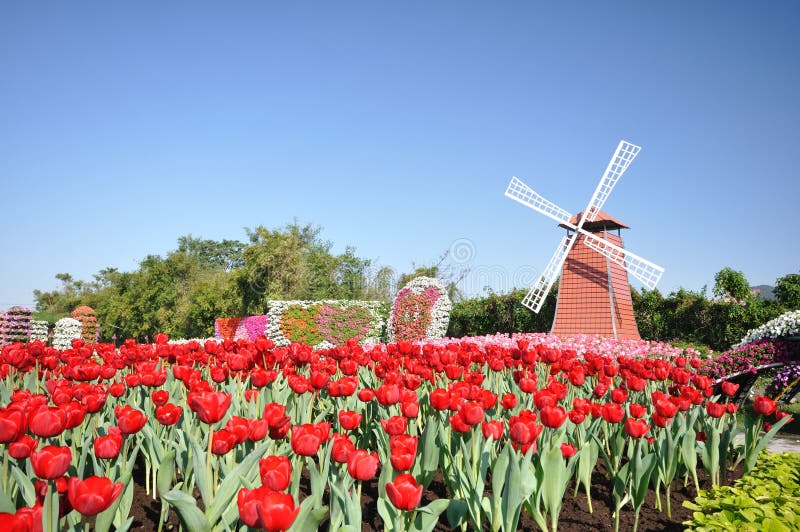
325,324
88,319
15,325
66,330
39,330
787,324
421,310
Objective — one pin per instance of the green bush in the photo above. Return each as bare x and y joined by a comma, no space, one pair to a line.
768,499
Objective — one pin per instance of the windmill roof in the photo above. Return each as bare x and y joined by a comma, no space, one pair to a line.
603,220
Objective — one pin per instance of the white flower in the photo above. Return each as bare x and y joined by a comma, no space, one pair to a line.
787,324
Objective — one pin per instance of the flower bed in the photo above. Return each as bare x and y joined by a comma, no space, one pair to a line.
241,422
325,324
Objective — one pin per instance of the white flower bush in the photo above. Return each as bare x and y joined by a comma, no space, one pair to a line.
39,329
67,329
420,296
787,324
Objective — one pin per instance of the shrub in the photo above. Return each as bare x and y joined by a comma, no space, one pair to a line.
766,499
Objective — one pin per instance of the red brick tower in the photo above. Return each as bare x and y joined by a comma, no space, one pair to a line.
594,296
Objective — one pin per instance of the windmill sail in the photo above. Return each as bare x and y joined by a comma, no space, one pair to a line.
534,299
522,193
644,270
622,158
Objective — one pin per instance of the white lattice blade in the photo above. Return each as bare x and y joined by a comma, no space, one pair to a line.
522,193
534,299
644,270
622,158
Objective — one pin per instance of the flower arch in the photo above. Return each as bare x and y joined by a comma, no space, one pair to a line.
421,310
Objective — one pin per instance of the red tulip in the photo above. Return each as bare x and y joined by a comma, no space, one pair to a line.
276,472
410,409
13,424
471,412
92,495
568,450
729,388
22,448
47,422
129,420
160,397
637,410
715,410
108,446
764,405
117,389
306,439
493,429
553,416
612,412
341,448
439,399
403,450
404,493
523,430
14,523
210,407
619,395
394,425
265,508
51,462
362,464
349,420
275,414
666,408
222,442
239,427
636,428
508,401
168,414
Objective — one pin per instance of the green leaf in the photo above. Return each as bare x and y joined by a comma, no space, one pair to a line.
201,477
232,482
309,518
191,516
6,504
25,486
426,517
166,470
456,512
105,518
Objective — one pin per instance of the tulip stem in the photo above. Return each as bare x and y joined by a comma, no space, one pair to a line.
208,456
5,472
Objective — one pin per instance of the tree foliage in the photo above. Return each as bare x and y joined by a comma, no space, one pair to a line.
787,290
183,292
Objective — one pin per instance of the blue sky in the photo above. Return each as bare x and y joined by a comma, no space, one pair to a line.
396,127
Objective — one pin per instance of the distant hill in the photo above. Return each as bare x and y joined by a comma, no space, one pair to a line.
764,290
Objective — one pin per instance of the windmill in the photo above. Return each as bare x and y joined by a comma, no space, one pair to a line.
594,294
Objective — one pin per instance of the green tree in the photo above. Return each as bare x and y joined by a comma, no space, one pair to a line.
732,284
787,291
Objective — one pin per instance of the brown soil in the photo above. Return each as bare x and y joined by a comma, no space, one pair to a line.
575,516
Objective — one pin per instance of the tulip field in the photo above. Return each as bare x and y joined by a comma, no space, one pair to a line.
226,432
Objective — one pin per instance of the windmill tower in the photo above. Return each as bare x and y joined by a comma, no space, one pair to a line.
594,294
